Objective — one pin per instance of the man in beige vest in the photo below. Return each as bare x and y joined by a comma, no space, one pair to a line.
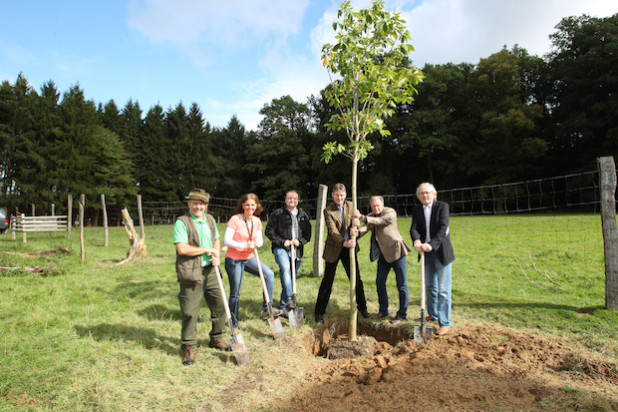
390,250
197,253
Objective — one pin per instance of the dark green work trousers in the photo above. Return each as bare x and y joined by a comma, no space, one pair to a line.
190,299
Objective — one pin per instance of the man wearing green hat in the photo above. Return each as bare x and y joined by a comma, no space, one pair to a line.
197,253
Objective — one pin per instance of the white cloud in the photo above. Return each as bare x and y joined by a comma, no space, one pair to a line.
467,30
285,73
186,22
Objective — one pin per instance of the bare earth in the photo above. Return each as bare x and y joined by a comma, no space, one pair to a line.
473,369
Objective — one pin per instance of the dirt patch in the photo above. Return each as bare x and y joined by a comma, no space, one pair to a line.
475,368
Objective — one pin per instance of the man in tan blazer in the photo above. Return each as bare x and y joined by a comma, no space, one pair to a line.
390,250
338,220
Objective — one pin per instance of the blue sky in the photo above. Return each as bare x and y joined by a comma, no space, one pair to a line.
232,57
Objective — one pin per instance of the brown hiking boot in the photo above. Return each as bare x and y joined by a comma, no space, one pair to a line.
221,346
189,355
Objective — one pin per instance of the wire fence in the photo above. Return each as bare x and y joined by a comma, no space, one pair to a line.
574,192
578,192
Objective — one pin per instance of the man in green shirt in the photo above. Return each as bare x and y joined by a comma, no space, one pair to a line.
197,253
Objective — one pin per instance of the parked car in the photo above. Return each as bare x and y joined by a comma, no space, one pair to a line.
4,220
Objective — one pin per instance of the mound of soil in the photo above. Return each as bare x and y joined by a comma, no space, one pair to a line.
472,369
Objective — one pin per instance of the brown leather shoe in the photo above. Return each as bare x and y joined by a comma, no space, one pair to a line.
443,331
221,346
396,320
189,355
382,315
427,319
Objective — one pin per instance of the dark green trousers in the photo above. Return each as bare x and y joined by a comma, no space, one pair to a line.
190,299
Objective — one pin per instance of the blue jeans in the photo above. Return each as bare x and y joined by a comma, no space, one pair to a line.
399,266
438,282
235,270
285,274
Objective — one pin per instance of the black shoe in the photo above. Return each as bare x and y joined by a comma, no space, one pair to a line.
365,314
289,304
319,318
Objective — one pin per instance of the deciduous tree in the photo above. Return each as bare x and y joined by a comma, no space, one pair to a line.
369,58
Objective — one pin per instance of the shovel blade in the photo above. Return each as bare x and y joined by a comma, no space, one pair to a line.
276,327
239,349
292,318
300,316
419,336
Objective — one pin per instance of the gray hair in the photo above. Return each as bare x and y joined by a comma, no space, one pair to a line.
431,188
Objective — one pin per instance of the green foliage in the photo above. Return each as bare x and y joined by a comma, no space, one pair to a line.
276,159
370,57
585,101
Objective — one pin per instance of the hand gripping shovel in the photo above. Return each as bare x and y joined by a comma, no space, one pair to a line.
238,343
422,333
296,314
273,322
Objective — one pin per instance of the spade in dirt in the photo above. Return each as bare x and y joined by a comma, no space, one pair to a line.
237,342
295,314
422,333
273,321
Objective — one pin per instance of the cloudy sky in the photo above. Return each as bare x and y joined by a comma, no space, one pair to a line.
232,57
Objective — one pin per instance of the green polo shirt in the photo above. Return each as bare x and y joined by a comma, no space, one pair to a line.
203,230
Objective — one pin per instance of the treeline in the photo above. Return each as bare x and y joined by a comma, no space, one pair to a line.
510,117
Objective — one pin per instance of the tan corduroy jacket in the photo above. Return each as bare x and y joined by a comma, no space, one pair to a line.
335,229
384,231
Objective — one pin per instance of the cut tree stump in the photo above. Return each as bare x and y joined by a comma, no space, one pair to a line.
138,245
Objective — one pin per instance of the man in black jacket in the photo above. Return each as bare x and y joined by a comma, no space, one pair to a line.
288,226
430,235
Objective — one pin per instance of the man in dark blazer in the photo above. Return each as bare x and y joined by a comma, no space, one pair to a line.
390,250
435,243
338,220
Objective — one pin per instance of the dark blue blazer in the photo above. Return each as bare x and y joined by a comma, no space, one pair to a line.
440,236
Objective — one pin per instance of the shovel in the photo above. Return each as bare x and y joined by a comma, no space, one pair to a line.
296,315
238,343
422,333
273,322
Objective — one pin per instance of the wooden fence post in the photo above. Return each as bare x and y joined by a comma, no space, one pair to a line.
105,228
23,232
140,215
82,203
318,238
53,213
69,215
607,169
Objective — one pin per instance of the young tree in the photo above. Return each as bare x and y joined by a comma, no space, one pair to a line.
370,57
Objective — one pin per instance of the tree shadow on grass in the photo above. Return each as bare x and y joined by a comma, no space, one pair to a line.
160,312
146,337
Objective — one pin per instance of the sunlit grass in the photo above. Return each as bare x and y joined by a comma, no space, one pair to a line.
97,336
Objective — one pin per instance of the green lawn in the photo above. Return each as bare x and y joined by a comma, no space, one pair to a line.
96,336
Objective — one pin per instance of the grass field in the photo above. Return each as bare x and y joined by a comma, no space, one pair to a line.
97,336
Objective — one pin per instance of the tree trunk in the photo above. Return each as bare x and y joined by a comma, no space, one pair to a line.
353,309
138,246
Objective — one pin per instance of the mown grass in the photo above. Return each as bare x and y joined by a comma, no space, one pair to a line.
98,336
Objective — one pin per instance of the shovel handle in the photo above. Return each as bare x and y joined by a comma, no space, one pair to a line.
222,290
264,289
423,295
293,253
